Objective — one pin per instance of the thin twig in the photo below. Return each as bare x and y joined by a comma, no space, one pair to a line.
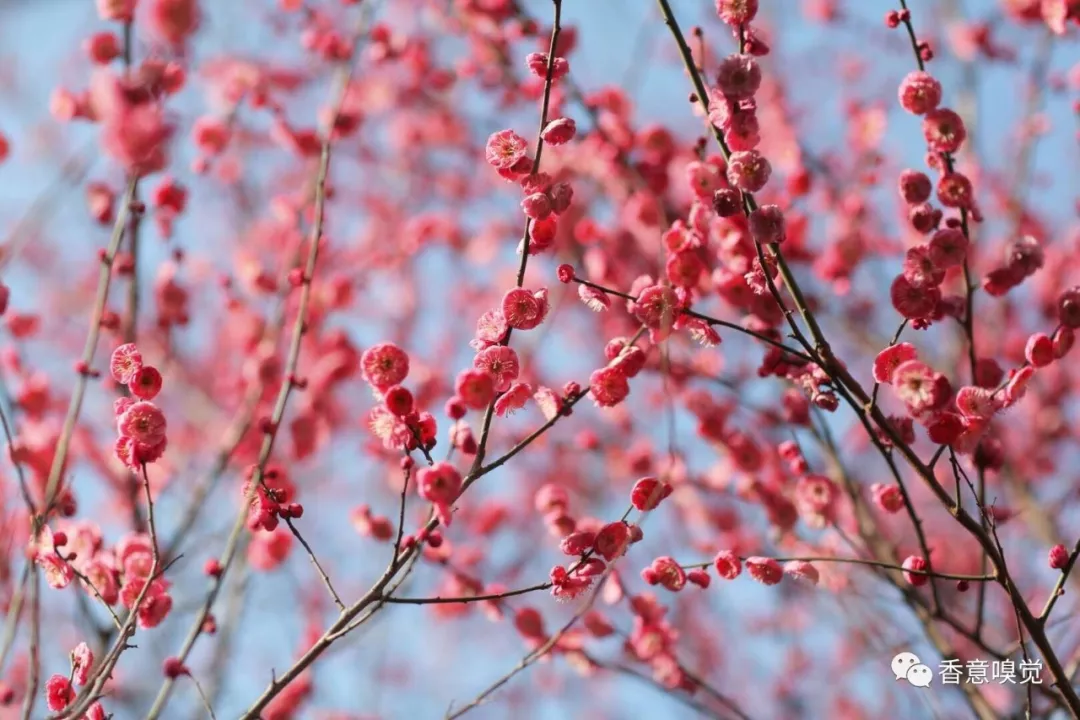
89,349
30,699
91,691
870,563
14,614
529,659
318,566
438,600
342,80
1059,586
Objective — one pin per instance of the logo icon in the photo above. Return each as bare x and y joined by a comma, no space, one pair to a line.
907,666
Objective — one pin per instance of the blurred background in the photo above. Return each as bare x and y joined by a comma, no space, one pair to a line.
421,239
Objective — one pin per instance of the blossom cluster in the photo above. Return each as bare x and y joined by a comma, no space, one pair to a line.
119,574
140,423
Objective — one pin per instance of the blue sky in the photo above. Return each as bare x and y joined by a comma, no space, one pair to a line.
621,42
